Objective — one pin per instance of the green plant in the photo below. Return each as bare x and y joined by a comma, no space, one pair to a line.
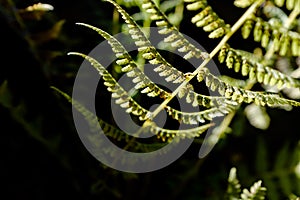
257,191
275,40
279,38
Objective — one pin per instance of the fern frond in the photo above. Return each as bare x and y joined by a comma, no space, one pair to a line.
167,134
207,18
290,4
247,66
234,187
129,66
257,192
89,116
93,121
175,37
118,93
243,3
241,95
164,68
199,117
149,52
106,128
284,41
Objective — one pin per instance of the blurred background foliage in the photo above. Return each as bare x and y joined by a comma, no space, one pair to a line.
42,155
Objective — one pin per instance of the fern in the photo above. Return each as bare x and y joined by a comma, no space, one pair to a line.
121,96
234,187
256,192
230,96
276,36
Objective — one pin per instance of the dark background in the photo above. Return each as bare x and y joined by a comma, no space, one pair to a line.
42,156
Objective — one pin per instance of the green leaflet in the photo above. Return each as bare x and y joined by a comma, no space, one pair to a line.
196,5
243,3
247,27
279,3
207,19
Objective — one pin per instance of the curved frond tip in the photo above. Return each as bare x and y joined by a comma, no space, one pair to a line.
122,97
